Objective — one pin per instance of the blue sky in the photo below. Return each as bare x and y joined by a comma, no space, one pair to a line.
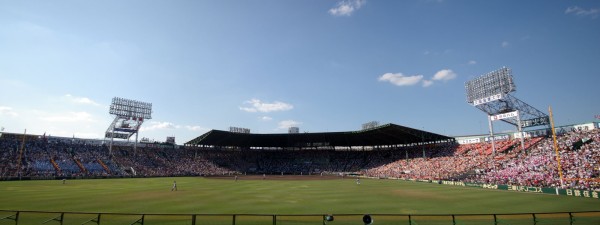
321,65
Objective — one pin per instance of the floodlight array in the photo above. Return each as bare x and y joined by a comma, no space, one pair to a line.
490,94
131,108
495,83
294,130
171,140
239,130
370,125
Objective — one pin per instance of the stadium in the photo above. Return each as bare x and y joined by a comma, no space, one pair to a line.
387,173
328,112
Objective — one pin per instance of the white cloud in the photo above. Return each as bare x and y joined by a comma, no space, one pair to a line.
8,111
505,44
347,7
80,100
155,125
69,117
401,80
427,83
195,128
259,106
265,118
472,62
64,121
576,10
62,133
86,135
288,123
444,75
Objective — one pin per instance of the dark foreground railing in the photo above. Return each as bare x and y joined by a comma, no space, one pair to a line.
45,217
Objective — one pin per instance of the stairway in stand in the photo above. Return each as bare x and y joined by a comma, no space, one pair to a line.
81,167
104,166
56,167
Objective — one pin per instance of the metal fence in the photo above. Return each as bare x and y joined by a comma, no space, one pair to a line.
45,217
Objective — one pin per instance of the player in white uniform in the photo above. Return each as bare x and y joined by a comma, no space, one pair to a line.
174,188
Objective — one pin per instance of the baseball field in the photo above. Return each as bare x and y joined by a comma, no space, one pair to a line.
272,195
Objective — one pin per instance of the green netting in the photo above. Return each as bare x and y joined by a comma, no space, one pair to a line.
474,219
301,220
168,219
253,220
214,219
433,220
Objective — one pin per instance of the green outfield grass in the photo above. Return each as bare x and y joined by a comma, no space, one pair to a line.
225,196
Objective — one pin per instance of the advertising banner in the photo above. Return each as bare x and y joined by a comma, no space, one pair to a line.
487,99
504,115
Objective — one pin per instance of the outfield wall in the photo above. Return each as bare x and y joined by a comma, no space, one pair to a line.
555,191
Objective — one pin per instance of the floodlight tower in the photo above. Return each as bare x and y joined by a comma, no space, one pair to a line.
491,94
129,116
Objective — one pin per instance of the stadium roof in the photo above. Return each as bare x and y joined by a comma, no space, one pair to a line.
388,134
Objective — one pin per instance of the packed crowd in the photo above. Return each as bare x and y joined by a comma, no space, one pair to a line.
43,158
579,153
449,161
537,166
